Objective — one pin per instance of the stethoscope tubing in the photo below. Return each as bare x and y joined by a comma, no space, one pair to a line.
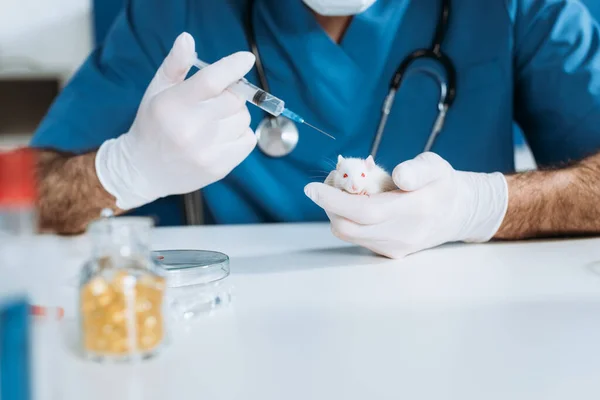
447,84
443,107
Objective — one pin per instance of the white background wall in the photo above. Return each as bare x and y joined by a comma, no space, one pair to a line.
44,36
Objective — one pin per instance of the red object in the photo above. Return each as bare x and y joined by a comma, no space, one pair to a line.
17,178
40,311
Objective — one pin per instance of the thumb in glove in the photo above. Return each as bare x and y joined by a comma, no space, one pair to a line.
421,171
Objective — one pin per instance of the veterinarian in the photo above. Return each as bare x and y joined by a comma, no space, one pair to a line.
130,132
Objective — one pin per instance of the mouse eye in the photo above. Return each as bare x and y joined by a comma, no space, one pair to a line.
363,174
345,175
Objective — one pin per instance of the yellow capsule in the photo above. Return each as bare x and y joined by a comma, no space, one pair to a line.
118,343
91,327
97,286
155,299
150,322
147,342
117,317
87,294
90,322
147,281
117,336
153,285
142,305
101,344
88,305
105,298
107,329
156,330
89,343
123,281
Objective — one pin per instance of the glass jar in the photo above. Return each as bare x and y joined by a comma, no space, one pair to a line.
122,306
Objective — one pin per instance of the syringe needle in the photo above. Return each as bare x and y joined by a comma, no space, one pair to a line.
317,129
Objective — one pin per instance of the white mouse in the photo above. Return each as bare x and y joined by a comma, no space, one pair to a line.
360,176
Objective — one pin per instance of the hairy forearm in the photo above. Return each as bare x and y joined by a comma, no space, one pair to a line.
70,194
561,202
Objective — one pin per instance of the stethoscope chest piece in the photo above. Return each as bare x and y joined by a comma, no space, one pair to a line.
277,137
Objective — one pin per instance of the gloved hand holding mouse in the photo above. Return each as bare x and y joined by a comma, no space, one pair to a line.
186,135
435,204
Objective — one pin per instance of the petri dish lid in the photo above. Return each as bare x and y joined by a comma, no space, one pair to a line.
192,267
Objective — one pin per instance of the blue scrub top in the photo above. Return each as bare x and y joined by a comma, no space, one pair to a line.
534,63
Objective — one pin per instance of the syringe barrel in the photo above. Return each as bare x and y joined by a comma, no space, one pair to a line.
253,94
258,97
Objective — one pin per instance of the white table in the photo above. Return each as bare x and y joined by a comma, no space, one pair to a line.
314,318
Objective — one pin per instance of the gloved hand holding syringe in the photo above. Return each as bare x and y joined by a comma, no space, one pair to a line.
262,99
189,132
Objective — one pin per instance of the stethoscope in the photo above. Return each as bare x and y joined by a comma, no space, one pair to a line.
278,136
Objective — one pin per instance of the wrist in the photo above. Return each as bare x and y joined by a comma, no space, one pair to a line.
117,175
534,199
487,208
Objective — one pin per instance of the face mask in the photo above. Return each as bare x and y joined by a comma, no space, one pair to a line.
339,7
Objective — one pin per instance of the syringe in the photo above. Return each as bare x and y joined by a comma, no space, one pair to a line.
262,99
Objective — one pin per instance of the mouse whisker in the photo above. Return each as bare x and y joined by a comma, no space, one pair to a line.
330,162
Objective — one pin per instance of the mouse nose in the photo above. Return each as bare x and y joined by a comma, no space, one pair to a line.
354,187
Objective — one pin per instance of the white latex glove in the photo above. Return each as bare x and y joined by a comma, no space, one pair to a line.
186,135
435,204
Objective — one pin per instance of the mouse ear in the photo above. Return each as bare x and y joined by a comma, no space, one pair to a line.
370,162
340,159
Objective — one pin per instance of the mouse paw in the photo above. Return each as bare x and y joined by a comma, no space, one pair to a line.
364,193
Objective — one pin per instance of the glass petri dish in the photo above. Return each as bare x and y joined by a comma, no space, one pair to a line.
196,280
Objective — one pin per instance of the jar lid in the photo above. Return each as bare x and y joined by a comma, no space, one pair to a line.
192,267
